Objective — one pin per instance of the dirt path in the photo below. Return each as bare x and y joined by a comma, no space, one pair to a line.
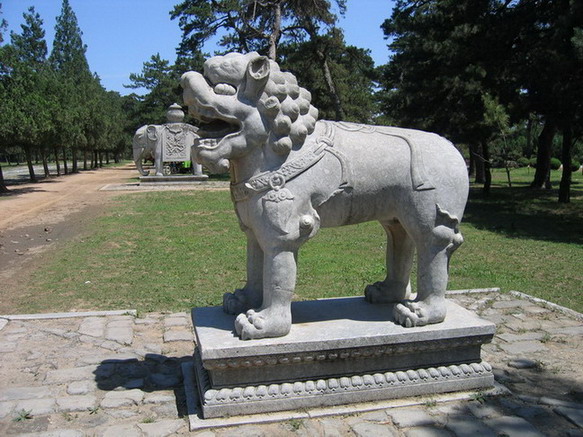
36,218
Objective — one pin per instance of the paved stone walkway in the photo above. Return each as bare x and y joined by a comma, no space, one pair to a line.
120,375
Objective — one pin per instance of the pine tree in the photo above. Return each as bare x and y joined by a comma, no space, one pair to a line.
70,64
162,81
26,108
3,26
263,26
68,53
31,46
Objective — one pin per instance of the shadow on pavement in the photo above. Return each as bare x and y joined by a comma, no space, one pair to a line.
154,373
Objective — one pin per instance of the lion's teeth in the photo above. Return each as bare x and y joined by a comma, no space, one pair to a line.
208,143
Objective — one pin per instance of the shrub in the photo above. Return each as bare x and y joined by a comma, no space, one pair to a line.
575,165
532,162
523,162
555,164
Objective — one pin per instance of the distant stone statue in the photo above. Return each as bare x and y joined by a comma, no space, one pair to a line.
169,142
292,174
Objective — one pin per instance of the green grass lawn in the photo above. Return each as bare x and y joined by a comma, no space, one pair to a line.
171,251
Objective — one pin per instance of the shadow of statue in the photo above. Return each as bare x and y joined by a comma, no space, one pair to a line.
155,372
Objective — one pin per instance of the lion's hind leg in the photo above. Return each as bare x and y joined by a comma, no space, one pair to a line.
400,252
433,264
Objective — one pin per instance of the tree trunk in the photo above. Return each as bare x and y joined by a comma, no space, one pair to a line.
276,33
65,165
45,163
28,153
507,168
100,159
84,159
94,165
478,155
565,185
75,168
3,187
471,163
487,167
529,148
106,157
542,175
338,109
57,162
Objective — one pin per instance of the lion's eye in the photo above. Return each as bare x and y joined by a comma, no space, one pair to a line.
225,89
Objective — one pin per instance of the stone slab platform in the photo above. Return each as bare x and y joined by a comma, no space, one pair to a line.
176,179
339,351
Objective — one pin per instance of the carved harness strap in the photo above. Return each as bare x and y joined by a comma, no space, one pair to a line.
276,179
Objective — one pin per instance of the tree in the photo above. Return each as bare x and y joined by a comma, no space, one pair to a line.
445,62
31,52
24,83
68,53
162,80
352,67
250,26
262,26
69,62
3,26
548,69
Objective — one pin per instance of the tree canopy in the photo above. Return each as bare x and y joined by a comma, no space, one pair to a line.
451,60
250,26
55,104
297,33
502,78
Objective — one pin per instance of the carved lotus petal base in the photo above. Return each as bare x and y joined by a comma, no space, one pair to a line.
342,390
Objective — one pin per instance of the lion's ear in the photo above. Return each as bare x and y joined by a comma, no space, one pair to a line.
257,75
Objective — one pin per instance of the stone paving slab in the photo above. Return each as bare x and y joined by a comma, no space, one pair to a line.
77,376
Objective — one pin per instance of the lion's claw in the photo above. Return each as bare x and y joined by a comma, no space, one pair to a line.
419,313
407,316
261,324
249,325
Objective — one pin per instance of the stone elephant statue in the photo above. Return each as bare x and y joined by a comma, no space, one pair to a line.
146,145
168,142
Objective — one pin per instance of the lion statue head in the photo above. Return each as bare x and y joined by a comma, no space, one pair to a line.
244,102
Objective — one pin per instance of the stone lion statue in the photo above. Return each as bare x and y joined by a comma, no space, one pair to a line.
292,174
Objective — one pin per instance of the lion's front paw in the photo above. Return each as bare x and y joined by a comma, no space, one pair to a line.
411,313
262,324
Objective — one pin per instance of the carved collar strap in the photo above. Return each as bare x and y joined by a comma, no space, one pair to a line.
276,179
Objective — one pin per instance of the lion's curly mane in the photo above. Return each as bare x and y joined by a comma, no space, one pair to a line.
287,109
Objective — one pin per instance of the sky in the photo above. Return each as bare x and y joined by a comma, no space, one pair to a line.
121,35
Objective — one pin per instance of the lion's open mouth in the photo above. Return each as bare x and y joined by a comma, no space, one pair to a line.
211,133
214,126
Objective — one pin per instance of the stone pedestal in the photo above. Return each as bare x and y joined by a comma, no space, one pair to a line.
339,351
177,179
